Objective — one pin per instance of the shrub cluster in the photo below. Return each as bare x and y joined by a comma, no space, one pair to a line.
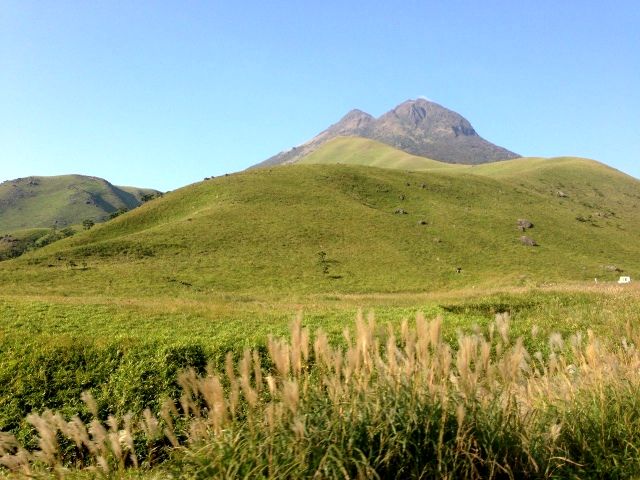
32,242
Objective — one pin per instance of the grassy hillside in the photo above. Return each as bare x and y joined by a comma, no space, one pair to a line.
361,151
61,201
334,228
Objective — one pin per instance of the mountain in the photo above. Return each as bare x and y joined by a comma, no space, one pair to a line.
61,201
348,229
418,127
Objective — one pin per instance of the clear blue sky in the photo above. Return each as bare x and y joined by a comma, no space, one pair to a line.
162,94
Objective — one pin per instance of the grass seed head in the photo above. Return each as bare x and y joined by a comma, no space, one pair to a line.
90,402
556,342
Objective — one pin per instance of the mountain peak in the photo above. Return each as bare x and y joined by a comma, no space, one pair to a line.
420,101
356,113
414,111
354,123
430,115
417,126
417,105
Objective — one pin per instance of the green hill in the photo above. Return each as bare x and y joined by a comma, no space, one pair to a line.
588,186
61,201
338,228
361,151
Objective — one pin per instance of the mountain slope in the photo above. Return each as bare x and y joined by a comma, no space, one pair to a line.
418,127
361,151
62,200
337,228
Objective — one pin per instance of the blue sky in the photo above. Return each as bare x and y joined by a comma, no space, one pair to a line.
162,94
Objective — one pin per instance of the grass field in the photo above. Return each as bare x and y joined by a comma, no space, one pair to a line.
223,265
128,353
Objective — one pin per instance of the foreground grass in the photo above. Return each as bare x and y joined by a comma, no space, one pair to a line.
128,352
386,403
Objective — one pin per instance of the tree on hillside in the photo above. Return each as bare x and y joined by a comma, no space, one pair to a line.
117,213
87,224
150,196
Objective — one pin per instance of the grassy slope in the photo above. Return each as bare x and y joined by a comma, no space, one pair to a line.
137,191
61,200
361,151
261,231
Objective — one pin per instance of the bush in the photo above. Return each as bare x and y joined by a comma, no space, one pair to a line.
117,213
88,224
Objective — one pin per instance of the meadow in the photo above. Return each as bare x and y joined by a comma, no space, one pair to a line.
131,355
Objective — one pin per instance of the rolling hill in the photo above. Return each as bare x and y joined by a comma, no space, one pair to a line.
418,127
350,228
364,152
61,201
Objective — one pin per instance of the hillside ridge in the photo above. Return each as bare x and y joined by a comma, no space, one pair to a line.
63,200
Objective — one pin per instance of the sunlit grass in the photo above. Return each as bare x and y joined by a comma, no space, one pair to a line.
311,229
386,403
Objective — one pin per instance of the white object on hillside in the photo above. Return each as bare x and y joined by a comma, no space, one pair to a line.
624,280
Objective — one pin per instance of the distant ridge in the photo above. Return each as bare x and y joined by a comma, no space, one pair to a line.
419,127
64,200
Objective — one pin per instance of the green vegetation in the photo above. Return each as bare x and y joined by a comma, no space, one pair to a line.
388,404
127,352
119,310
62,201
261,231
147,197
16,243
361,151
88,224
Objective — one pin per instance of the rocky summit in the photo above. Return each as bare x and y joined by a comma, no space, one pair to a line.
419,127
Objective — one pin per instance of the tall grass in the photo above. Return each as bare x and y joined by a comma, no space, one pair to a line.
388,404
